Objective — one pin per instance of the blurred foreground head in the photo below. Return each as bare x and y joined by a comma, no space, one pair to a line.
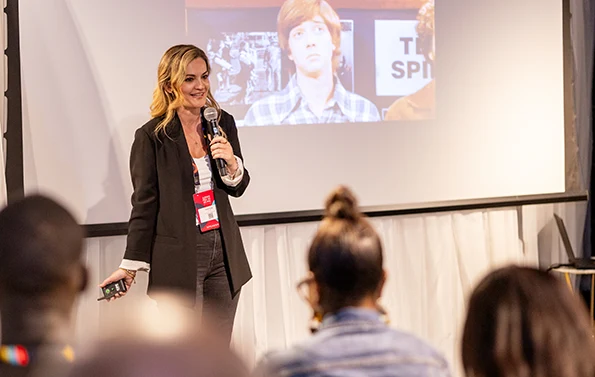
164,341
525,322
40,253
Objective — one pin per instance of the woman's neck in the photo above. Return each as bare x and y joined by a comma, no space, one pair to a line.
369,303
190,118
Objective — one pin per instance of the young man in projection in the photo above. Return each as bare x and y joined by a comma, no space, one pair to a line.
310,34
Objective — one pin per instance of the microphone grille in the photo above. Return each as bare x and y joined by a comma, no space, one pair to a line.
210,114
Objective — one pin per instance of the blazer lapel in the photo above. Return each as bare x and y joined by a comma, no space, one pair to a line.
184,157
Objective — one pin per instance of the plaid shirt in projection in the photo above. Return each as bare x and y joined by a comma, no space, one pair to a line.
288,107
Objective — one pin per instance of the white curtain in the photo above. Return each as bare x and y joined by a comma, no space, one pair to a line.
433,261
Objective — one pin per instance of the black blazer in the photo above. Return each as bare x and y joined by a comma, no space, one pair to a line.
162,228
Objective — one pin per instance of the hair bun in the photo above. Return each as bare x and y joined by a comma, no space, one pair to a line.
341,204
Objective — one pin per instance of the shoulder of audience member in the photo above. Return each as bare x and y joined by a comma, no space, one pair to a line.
418,348
275,363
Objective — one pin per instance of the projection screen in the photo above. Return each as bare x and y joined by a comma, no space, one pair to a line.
405,101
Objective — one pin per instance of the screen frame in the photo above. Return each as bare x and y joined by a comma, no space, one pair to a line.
15,164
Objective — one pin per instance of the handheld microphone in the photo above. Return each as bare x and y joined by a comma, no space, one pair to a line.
214,129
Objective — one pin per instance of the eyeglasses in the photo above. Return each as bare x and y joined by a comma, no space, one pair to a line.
304,290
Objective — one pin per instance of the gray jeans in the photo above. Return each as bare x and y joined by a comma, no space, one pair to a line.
213,295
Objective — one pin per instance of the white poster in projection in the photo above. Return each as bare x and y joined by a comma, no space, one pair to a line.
401,68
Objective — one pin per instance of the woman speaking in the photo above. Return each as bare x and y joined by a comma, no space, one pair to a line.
182,229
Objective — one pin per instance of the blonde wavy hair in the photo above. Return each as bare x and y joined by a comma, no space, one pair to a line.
171,73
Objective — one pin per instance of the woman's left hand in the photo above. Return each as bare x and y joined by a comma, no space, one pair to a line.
221,148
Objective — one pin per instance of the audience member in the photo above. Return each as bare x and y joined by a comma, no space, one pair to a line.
344,284
163,342
522,322
41,274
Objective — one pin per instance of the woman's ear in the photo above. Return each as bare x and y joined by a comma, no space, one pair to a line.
168,88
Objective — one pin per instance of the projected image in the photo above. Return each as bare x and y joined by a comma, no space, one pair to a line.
317,62
319,52
412,65
245,66
345,61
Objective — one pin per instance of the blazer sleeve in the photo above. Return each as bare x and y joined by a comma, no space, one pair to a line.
145,198
229,125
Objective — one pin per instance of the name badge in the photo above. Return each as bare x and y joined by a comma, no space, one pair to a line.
206,211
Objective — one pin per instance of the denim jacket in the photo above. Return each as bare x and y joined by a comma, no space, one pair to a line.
355,342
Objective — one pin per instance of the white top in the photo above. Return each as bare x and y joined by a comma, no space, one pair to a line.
204,174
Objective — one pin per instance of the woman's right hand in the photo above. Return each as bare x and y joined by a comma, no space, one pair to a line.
119,274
